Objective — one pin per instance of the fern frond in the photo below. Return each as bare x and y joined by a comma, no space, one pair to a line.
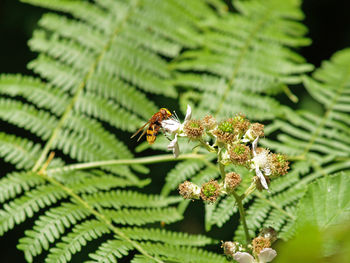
20,152
183,254
15,212
94,132
319,144
110,251
15,183
50,227
98,64
180,173
248,55
25,116
75,240
224,210
107,111
121,198
35,91
143,216
169,237
141,259
256,214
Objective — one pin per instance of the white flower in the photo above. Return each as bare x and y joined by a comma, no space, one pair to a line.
174,146
265,255
174,125
243,257
260,163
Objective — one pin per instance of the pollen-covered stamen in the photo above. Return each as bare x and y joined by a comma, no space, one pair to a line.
259,243
240,124
210,191
279,164
225,132
232,129
189,190
194,129
239,154
209,122
262,159
232,181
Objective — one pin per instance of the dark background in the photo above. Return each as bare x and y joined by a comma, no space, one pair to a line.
329,28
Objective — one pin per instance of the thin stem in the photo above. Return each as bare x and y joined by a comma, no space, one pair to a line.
249,190
142,160
242,216
98,215
237,197
221,166
207,146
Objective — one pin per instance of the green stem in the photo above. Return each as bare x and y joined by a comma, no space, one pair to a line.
207,146
99,216
238,199
249,190
142,160
221,166
242,216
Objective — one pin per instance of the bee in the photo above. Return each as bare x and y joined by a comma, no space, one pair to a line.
154,125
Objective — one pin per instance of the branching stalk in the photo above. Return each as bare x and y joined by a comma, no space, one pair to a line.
142,160
237,197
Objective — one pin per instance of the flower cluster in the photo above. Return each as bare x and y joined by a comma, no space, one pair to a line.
260,247
236,141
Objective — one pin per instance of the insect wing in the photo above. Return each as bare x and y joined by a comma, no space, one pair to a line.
138,131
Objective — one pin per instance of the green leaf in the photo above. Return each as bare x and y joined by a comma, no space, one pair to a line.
326,202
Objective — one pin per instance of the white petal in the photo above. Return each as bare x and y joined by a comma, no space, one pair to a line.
243,257
174,146
171,125
254,145
267,255
261,177
188,113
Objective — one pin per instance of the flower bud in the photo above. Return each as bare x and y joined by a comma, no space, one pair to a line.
232,129
209,122
232,180
193,129
259,243
279,164
225,132
239,154
240,124
189,190
210,191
